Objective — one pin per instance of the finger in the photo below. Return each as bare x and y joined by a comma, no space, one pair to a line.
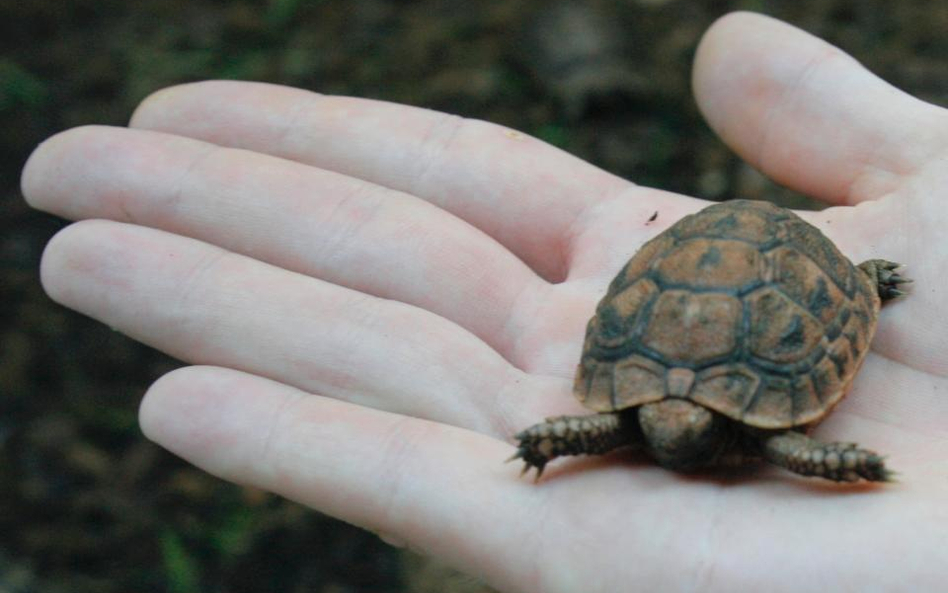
205,305
808,115
521,191
443,491
429,485
301,218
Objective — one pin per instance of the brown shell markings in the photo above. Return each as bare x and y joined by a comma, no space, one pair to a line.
743,308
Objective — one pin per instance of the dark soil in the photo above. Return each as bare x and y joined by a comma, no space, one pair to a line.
86,504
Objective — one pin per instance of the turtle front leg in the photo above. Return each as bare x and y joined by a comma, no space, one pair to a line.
840,462
886,279
571,435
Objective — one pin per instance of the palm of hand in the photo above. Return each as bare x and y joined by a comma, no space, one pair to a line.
727,529
730,529
365,295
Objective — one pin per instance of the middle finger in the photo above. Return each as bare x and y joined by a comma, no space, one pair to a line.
343,230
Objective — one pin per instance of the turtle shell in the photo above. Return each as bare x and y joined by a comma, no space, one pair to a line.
743,308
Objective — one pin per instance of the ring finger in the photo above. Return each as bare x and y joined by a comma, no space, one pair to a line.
205,305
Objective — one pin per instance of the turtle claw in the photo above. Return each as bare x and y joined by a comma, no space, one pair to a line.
884,264
899,279
889,476
536,478
887,280
527,467
890,278
529,462
888,289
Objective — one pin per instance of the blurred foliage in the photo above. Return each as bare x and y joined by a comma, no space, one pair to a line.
181,569
86,504
19,88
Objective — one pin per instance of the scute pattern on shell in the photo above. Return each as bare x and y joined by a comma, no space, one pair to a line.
761,313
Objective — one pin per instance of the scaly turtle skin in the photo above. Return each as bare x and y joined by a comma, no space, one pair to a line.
727,337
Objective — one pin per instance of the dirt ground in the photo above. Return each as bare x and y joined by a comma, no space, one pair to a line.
86,504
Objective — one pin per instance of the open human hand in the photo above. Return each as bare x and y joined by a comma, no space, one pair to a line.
375,298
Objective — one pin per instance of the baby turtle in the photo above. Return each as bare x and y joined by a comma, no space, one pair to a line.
726,338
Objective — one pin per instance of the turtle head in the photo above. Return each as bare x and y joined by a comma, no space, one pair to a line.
682,435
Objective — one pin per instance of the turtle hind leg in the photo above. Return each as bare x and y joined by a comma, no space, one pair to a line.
840,462
594,434
884,276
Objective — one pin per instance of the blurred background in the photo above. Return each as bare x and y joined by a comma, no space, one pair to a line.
86,504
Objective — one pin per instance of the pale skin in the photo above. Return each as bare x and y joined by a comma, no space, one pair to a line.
375,298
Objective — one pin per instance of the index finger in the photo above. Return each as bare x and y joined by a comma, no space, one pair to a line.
523,192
